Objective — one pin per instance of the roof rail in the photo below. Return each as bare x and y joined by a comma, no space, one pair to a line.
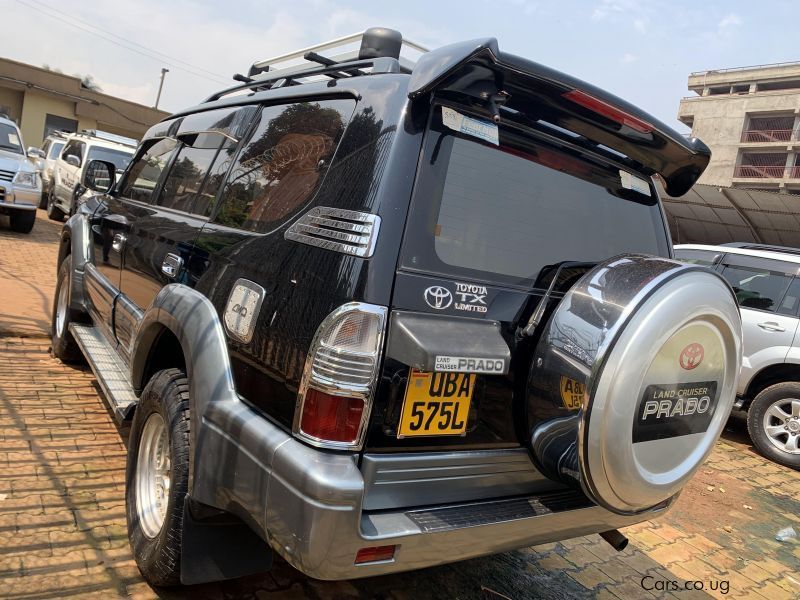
379,49
109,137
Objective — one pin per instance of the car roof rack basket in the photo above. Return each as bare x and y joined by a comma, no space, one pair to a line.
376,50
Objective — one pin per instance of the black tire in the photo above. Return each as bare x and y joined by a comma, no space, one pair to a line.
64,345
53,212
158,556
775,394
22,221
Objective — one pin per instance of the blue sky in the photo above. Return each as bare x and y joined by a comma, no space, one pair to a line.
641,50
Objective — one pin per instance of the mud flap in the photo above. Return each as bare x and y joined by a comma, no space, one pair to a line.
219,549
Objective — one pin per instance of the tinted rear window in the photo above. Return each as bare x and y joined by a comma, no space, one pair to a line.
502,213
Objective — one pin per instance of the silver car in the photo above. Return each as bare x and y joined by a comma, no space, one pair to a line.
51,148
766,280
20,184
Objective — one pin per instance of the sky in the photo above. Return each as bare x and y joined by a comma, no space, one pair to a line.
642,50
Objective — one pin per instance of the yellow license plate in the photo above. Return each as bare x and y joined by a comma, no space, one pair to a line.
436,404
572,392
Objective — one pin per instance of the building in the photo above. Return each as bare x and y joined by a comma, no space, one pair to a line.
41,101
750,118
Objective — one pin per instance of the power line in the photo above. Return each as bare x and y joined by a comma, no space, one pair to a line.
150,50
215,78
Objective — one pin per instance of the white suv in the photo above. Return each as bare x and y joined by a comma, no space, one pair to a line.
51,148
20,184
79,149
766,280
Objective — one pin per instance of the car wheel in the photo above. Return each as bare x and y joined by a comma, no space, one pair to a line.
65,347
53,212
773,421
157,476
22,221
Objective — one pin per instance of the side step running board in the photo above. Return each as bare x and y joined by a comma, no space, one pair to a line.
111,373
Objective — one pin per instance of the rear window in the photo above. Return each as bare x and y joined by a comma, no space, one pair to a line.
503,213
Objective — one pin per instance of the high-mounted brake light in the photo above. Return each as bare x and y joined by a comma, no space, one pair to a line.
341,371
607,110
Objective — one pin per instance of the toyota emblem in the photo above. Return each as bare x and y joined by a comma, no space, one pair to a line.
691,356
438,297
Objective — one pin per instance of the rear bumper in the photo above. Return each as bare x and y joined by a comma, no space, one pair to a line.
307,504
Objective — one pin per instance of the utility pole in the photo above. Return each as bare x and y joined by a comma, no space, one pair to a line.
161,85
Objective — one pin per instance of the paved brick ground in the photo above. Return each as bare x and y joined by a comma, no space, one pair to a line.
62,520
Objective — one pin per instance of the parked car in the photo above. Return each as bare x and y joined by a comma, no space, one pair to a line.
51,148
20,184
376,315
79,149
765,280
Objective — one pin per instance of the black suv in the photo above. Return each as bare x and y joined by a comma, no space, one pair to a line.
376,316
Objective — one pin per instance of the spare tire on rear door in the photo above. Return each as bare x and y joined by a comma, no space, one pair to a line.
633,380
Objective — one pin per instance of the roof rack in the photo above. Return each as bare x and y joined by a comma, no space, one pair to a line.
379,50
108,137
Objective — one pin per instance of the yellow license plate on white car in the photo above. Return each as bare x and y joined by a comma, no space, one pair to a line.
436,404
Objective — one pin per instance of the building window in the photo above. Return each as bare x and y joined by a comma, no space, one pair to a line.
53,123
769,165
779,85
772,128
795,171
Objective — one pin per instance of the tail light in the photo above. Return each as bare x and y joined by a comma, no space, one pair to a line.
341,371
609,111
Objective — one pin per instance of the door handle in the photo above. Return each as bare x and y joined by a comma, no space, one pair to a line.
172,265
771,326
119,242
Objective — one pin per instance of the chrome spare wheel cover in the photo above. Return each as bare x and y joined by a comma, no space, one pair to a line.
62,306
654,347
152,477
782,424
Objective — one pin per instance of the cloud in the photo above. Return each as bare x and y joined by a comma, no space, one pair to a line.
728,24
628,58
640,24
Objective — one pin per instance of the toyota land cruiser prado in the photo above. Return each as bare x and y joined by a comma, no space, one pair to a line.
377,315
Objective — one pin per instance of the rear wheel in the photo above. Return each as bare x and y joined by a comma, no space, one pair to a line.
64,345
22,221
157,477
53,212
773,421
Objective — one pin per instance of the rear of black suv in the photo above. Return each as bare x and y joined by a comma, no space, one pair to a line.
503,394
453,327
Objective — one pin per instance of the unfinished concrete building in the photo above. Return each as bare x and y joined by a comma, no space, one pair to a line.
750,118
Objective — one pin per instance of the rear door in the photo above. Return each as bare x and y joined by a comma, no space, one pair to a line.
768,295
159,234
496,216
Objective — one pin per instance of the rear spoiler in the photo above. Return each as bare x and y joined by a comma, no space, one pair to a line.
490,79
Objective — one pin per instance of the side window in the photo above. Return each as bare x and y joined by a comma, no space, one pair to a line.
282,164
73,147
55,149
705,258
791,301
197,173
142,177
757,288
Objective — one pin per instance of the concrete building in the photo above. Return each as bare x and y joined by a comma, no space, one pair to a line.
40,101
750,118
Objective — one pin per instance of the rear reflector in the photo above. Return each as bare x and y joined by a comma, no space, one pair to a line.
331,418
374,554
609,111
